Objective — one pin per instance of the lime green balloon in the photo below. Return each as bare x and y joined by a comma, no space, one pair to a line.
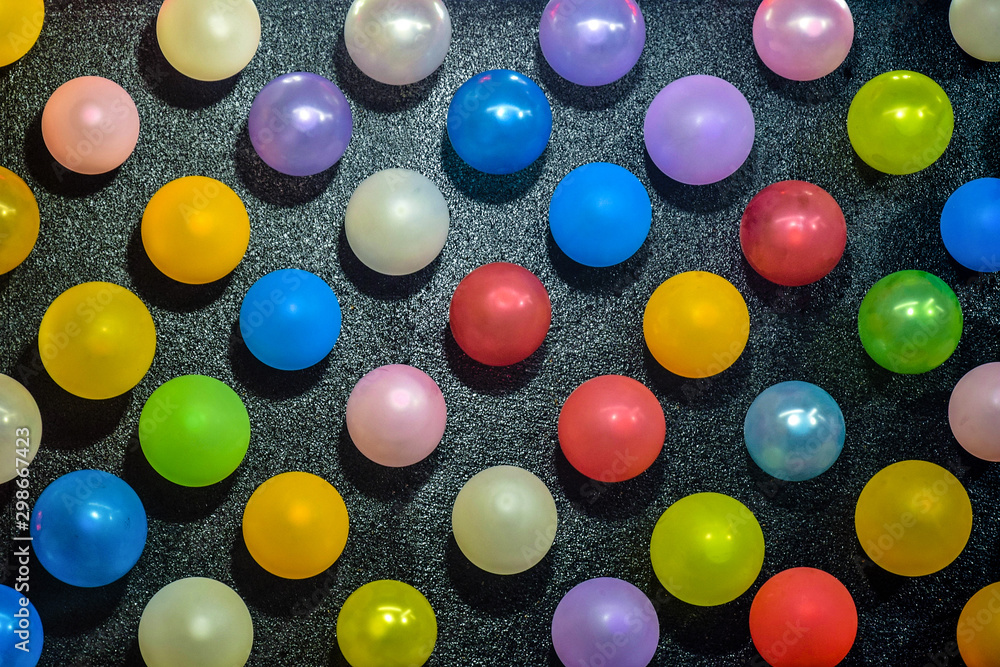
194,430
900,122
910,322
707,549
386,623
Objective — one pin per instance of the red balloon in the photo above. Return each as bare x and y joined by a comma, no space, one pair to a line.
500,314
793,233
803,617
611,428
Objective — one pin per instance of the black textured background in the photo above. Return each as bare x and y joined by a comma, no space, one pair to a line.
401,518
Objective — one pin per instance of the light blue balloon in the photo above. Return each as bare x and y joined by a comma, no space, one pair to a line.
88,528
794,431
21,636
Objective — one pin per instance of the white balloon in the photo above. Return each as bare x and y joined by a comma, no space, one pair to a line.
208,40
397,222
975,24
20,427
398,42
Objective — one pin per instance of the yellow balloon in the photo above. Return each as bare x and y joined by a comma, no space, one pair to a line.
20,25
913,518
900,122
19,219
386,624
295,525
979,628
97,340
195,230
696,324
707,549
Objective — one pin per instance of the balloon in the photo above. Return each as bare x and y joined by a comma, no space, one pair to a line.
910,322
793,233
979,628
386,624
699,130
397,43
913,518
803,40
592,42
208,41
195,621
21,635
397,222
20,222
975,25
21,24
974,411
300,124
970,225
900,122
20,428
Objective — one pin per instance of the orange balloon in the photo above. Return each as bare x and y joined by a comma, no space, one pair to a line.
979,628
295,525
696,324
195,230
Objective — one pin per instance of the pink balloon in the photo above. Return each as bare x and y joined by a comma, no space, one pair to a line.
974,411
803,40
396,415
90,125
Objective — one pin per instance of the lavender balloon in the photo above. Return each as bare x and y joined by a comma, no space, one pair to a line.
300,124
605,621
592,42
974,411
803,39
699,129
396,415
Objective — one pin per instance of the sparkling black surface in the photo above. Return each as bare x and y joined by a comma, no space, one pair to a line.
401,518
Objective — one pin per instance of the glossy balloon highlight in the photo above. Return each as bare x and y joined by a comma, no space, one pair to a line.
803,40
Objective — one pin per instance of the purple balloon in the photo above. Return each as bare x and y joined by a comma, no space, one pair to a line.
605,621
974,411
803,40
300,124
699,129
592,42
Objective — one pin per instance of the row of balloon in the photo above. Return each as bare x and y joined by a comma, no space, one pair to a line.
698,130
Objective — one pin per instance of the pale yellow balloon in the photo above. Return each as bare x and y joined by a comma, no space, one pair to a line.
196,621
208,40
504,520
975,25
20,428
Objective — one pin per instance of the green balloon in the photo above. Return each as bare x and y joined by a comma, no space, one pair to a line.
910,322
194,430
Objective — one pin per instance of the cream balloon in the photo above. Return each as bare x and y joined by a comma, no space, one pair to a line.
20,427
975,25
504,520
208,41
395,42
396,222
196,621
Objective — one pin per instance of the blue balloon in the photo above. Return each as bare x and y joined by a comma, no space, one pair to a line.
290,319
600,214
499,121
88,528
21,637
794,431
970,225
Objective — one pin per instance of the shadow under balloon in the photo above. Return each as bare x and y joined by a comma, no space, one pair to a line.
378,285
164,499
271,185
716,631
66,610
268,382
51,175
496,594
613,280
382,482
491,380
586,98
488,188
714,391
168,84
156,288
701,198
290,598
815,298
375,95
613,501
70,422
832,87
